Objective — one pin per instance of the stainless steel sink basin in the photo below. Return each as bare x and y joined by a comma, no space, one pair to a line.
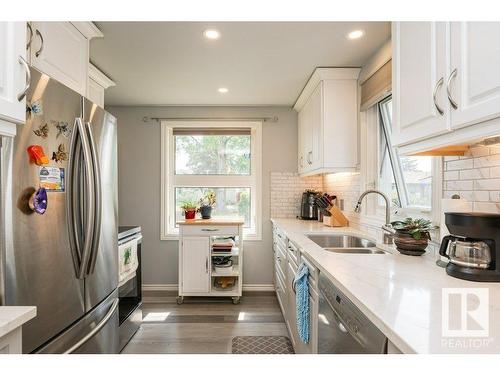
347,250
329,241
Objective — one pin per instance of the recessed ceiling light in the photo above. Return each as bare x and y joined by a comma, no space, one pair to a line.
223,90
356,34
211,34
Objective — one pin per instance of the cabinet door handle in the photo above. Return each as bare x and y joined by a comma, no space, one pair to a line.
39,52
436,88
448,90
301,161
30,29
22,94
206,264
309,155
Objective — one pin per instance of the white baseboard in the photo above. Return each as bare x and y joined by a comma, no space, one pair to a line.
174,287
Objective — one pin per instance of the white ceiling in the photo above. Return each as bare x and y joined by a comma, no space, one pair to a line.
261,63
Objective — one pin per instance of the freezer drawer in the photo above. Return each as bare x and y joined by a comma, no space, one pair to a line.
96,333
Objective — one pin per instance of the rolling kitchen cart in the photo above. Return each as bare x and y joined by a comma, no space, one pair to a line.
211,258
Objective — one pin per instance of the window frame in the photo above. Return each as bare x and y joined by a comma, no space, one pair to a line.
405,210
169,180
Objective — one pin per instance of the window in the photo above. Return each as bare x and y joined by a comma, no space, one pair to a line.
223,157
406,179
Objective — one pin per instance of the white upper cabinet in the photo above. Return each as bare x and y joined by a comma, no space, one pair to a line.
475,73
446,84
98,83
419,73
13,75
61,50
328,122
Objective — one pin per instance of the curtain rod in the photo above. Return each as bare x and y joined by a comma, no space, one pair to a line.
264,119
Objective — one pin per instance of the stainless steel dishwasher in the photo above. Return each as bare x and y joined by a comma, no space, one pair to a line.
342,327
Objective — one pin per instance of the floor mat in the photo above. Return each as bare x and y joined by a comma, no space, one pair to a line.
261,345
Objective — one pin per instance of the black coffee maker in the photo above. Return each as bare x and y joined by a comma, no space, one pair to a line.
473,246
308,208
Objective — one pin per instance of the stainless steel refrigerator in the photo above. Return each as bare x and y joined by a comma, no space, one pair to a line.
63,261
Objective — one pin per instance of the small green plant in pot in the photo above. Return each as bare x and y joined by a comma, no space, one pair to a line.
190,209
412,235
206,204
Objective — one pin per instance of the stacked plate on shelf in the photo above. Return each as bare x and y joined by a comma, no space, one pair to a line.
222,244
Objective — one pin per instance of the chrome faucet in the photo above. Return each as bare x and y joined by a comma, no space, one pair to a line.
388,231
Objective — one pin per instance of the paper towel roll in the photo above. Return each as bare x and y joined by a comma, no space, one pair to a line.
452,205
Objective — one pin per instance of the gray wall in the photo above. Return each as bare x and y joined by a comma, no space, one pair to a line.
139,182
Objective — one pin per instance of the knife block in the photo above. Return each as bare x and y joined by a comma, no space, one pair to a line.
337,219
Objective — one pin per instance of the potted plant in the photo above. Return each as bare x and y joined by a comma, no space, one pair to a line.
412,235
189,208
206,205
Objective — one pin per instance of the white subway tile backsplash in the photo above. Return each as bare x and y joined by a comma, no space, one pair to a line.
481,167
487,161
459,185
472,174
451,175
494,196
490,207
494,172
459,164
487,184
286,192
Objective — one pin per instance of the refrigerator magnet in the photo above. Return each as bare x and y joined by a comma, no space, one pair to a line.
60,155
42,131
38,201
37,155
51,179
35,108
62,129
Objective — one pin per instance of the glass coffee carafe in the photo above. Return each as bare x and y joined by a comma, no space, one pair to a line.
467,253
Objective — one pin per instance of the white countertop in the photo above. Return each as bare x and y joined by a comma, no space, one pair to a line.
11,317
401,295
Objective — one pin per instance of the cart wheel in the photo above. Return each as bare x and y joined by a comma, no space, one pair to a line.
236,300
180,300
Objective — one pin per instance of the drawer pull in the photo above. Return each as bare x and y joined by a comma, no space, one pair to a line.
209,230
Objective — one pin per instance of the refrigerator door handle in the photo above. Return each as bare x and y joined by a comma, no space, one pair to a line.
97,328
89,217
97,200
72,199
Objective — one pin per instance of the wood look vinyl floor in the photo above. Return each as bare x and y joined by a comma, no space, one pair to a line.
205,325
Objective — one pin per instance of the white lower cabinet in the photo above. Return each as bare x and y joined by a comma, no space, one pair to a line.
199,274
285,270
12,342
195,265
13,79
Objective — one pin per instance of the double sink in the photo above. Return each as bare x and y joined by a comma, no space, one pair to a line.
345,244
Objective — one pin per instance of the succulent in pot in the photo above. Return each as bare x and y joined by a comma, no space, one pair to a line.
206,204
190,209
412,235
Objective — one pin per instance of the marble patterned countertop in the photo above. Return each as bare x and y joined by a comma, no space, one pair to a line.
401,295
11,317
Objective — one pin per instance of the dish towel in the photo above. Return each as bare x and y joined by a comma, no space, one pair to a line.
302,301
